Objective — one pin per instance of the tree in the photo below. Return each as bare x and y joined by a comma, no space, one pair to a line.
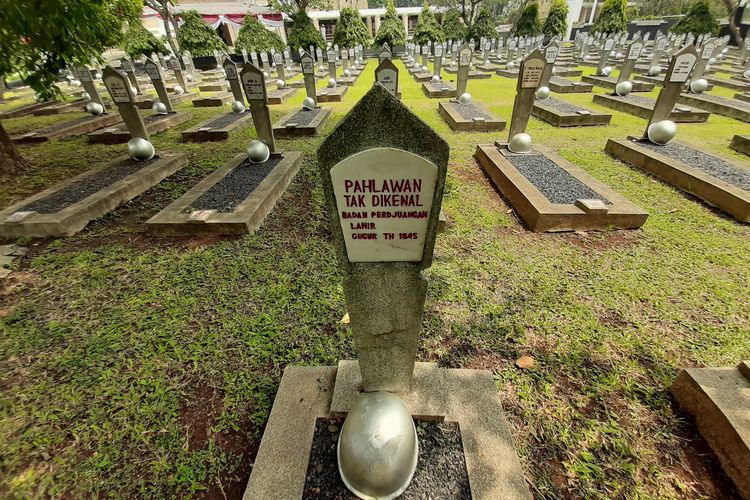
733,12
391,28
303,33
350,30
612,18
468,9
139,41
557,19
453,26
698,20
427,28
528,23
40,39
165,9
484,26
254,37
291,7
197,36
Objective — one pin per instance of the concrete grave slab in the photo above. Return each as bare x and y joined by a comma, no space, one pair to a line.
154,125
472,117
214,101
565,114
26,109
731,83
610,82
743,96
68,207
62,107
184,216
335,94
741,143
68,128
214,87
440,90
724,106
643,107
563,86
280,96
302,123
146,102
694,179
218,128
539,212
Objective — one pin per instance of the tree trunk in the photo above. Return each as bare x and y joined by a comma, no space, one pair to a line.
734,29
11,161
2,88
168,30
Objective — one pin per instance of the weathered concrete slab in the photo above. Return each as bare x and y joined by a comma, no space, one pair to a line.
441,90
567,116
68,128
299,124
15,221
732,108
280,96
714,191
563,86
719,401
539,213
209,131
643,107
215,101
730,83
335,94
487,122
609,82
154,125
146,102
246,218
741,143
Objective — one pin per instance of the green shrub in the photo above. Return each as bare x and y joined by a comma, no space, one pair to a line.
528,22
698,20
197,36
350,30
254,37
139,41
427,28
557,19
613,18
391,29
303,33
453,26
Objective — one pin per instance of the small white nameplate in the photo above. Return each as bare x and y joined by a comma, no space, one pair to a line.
20,216
200,215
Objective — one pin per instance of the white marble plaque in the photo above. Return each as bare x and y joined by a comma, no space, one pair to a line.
254,87
231,70
661,44
308,65
263,57
388,78
174,63
551,54
384,200
84,75
635,51
682,67
608,44
532,73
464,57
278,59
708,49
330,55
118,88
438,51
425,50
153,71
126,66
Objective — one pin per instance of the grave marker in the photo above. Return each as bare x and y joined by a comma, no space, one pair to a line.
118,87
127,66
157,80
255,90
634,52
384,53
438,60
308,73
87,82
331,57
677,74
278,62
529,76
550,56
386,74
233,77
464,63
174,63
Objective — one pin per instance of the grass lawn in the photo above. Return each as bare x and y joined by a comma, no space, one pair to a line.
140,366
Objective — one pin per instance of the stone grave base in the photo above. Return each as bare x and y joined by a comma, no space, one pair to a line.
213,87
154,125
741,143
62,107
147,102
473,74
563,114
563,86
567,72
609,82
659,80
643,107
731,83
719,401
214,101
217,128
467,397
191,86
714,191
538,211
68,128
724,106
508,73
246,217
279,96
446,90
16,220
451,114
335,94
487,68
301,123
743,96
346,80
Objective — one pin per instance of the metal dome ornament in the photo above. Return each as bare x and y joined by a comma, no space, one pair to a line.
554,71
511,66
746,74
189,77
424,69
542,93
661,132
265,74
280,84
140,149
435,78
258,152
378,449
520,143
308,103
94,108
75,83
654,70
159,108
331,83
133,90
623,88
619,55
85,96
607,70
465,98
347,73
238,107
698,86
178,90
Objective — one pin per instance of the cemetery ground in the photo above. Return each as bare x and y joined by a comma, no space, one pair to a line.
136,365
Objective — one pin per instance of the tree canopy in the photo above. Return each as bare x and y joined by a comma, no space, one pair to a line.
350,30
391,28
139,41
484,25
303,33
528,22
557,19
427,28
612,18
197,36
254,37
453,26
698,20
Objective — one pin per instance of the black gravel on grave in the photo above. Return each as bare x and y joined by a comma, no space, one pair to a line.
470,111
553,181
87,186
235,187
711,165
733,103
562,106
225,120
441,469
303,117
